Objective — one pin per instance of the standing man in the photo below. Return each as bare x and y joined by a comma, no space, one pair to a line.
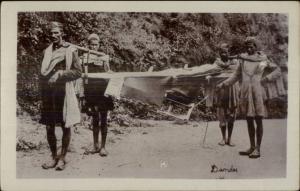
96,102
227,98
60,67
250,71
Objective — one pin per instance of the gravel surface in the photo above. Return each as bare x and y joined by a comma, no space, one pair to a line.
156,149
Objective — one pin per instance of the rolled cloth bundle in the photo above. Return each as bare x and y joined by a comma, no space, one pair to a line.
150,87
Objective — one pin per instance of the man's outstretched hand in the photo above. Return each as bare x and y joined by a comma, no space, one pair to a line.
55,77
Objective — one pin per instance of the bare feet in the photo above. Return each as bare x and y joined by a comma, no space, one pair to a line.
50,164
103,152
61,165
222,143
94,151
229,143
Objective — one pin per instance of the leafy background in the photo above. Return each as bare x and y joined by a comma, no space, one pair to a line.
136,41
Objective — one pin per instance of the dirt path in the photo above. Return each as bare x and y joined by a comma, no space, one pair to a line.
165,150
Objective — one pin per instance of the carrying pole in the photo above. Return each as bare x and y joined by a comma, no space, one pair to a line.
86,68
88,50
204,138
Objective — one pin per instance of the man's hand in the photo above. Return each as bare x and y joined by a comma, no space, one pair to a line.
208,78
83,102
84,75
104,58
265,80
220,86
55,77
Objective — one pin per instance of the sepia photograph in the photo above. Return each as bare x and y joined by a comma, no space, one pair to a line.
143,95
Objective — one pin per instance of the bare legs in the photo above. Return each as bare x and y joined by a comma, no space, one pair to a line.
230,125
96,130
57,161
259,134
103,152
254,151
51,138
259,131
223,131
251,131
226,122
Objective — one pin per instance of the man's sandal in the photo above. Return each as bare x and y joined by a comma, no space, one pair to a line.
247,152
255,154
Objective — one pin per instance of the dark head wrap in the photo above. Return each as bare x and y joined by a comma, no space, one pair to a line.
224,47
251,40
55,24
93,37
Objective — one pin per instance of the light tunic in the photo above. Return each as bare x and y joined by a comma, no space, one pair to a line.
250,71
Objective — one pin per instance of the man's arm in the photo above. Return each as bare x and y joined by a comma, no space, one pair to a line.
220,63
235,77
75,71
275,72
105,60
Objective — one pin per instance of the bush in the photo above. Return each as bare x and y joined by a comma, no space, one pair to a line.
136,41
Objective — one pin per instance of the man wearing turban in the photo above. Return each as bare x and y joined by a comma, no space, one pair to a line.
97,103
227,98
60,68
250,70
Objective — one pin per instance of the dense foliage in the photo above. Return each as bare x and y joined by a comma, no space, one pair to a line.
136,41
